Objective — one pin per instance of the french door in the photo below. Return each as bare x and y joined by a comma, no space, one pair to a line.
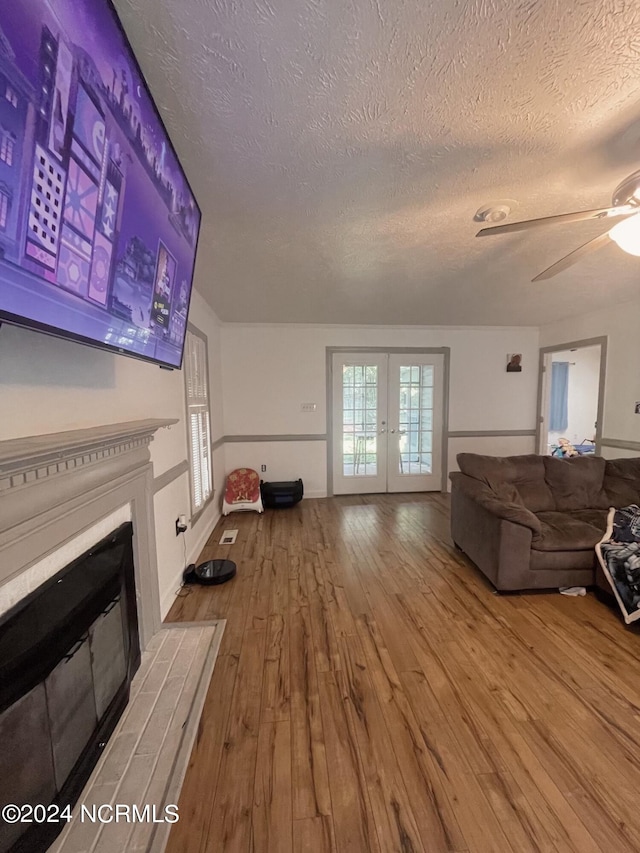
387,422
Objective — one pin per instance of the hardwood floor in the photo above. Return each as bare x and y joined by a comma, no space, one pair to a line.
373,694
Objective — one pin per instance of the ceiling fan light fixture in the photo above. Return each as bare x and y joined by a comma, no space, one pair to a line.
627,235
492,213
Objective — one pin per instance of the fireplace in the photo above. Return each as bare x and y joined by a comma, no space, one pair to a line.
68,652
63,498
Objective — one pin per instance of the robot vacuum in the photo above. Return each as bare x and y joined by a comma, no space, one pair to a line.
211,572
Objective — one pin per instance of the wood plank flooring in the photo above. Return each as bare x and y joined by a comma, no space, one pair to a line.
373,694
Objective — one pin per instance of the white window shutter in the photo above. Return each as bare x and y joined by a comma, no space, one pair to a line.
198,419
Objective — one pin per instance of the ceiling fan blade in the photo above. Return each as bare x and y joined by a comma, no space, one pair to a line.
599,213
572,258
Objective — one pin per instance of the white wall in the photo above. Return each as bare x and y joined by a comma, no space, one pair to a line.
620,324
49,385
270,370
172,550
582,393
285,460
494,445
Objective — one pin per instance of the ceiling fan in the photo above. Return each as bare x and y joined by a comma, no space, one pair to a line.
625,203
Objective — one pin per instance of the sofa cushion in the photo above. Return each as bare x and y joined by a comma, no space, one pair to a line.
622,481
595,517
565,561
576,482
524,473
566,531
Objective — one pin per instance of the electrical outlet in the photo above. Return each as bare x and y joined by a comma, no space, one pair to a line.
263,468
181,524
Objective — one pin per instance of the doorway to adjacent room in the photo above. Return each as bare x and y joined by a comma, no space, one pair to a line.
570,397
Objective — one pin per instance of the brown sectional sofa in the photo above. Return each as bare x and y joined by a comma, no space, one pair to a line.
531,522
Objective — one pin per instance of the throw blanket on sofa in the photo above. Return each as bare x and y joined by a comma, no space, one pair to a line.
619,555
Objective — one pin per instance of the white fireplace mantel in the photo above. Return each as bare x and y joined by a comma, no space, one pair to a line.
53,487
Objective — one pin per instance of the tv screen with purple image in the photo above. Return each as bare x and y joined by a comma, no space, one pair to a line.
98,223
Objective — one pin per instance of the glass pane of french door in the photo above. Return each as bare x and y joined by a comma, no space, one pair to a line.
415,422
415,418
359,419
359,415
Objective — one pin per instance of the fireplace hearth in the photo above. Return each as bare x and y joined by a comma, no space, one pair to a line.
68,652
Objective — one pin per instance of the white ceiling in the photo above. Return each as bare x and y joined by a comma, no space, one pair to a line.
339,150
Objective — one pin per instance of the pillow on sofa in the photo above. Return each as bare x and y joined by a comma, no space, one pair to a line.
525,473
576,482
622,481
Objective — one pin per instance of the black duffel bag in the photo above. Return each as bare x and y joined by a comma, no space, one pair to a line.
280,495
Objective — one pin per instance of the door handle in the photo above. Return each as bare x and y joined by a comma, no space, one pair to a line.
383,430
393,430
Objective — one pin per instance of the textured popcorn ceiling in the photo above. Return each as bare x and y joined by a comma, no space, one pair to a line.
339,150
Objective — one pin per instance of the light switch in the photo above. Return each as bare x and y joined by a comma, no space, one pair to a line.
308,407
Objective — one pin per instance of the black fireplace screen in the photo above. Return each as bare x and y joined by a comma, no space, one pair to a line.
67,655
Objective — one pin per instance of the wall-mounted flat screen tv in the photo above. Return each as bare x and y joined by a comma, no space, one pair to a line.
98,223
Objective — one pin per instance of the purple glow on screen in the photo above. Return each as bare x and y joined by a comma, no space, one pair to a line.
98,225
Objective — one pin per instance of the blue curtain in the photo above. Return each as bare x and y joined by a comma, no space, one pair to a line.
558,412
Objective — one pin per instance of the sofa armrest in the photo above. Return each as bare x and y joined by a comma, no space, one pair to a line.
498,547
501,505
